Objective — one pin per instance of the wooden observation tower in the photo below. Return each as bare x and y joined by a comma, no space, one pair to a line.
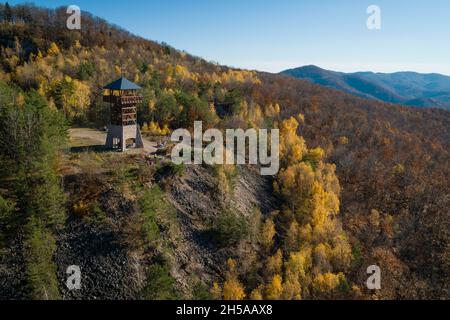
123,131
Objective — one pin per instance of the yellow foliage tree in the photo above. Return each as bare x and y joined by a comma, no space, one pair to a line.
273,111
154,129
314,156
232,288
182,72
257,294
80,100
314,240
53,50
239,76
275,263
292,147
295,184
268,234
216,291
291,242
328,282
77,45
274,289
292,287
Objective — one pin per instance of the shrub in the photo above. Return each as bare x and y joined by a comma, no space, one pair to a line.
160,284
41,269
170,170
229,228
201,292
96,215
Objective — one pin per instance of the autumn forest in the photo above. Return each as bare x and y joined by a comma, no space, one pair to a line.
361,183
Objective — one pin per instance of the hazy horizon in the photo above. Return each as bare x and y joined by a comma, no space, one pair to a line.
362,71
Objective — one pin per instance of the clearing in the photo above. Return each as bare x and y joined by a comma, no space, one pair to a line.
82,138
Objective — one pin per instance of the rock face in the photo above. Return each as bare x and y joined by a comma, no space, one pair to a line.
13,283
113,266
198,202
106,267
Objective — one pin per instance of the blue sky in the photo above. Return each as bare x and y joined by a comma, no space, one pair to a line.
273,35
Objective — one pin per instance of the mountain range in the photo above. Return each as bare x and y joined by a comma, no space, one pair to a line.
407,88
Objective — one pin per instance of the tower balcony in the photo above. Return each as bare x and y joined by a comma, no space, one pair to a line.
122,100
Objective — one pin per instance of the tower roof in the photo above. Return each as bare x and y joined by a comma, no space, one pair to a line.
122,84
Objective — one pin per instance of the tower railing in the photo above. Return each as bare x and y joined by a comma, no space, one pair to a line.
123,100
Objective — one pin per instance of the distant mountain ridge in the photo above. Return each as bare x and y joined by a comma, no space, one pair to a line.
407,88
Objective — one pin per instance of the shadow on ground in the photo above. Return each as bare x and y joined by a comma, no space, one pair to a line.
96,148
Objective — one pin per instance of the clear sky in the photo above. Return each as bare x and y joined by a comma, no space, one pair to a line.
273,35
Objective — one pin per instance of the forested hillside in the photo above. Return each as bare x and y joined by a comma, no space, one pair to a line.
362,182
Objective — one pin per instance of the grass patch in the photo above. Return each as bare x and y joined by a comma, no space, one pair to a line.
160,284
96,216
159,215
201,292
82,142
